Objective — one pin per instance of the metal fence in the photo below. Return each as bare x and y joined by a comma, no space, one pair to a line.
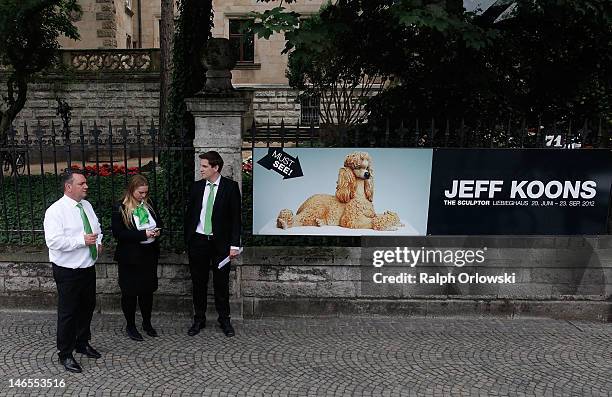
432,132
442,132
34,157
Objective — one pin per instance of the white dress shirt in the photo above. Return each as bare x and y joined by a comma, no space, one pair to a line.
200,227
65,233
150,224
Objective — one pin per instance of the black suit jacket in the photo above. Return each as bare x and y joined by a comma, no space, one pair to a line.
226,216
129,249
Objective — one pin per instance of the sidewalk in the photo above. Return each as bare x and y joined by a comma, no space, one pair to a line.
336,356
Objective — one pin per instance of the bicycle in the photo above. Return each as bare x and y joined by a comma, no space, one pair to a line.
13,162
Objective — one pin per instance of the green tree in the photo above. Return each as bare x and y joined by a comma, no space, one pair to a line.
354,48
545,57
326,61
443,66
29,30
558,55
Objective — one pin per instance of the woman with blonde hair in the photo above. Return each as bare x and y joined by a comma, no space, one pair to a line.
136,226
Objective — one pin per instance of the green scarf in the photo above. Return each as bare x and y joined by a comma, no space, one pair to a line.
142,214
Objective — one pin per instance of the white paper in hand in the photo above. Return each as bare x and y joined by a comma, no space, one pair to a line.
227,259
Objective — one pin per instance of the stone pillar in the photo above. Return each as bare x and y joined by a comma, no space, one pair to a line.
218,111
218,126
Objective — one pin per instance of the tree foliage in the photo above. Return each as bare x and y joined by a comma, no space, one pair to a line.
559,56
442,65
29,30
354,48
342,79
545,57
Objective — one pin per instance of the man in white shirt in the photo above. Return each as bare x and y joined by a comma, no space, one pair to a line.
74,238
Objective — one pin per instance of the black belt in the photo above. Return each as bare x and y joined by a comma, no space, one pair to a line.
205,236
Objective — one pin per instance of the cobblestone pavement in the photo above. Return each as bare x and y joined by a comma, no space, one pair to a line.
339,356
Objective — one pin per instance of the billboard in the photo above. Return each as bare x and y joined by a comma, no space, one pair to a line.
526,191
417,192
341,192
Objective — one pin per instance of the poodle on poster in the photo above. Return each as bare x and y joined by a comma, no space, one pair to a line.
350,207
337,193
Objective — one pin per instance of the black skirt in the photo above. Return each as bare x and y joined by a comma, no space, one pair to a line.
141,277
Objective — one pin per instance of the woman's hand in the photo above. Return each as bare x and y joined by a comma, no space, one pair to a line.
152,233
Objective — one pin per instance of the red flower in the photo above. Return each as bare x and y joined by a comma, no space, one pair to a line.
247,165
107,170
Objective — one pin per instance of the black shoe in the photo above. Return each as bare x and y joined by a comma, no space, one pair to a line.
88,351
196,327
150,331
227,328
70,364
133,333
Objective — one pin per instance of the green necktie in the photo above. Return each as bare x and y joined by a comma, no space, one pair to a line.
93,250
209,209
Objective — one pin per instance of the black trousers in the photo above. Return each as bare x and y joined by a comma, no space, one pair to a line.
204,258
76,290
128,305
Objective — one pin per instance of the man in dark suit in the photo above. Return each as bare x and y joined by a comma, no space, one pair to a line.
212,233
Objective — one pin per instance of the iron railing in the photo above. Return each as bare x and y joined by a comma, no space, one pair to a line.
108,155
440,133
33,158
424,133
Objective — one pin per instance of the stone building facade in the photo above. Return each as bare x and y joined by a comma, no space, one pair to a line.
103,24
126,24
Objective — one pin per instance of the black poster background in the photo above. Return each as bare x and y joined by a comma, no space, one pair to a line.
516,164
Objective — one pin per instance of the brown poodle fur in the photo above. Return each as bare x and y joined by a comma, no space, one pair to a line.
351,207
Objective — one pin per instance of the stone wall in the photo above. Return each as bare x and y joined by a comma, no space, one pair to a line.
560,277
26,282
274,104
128,96
131,96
